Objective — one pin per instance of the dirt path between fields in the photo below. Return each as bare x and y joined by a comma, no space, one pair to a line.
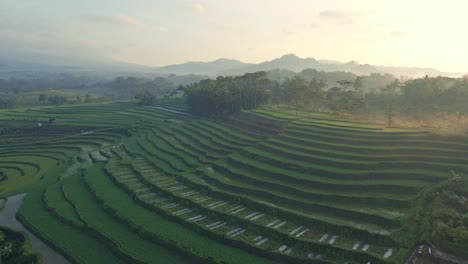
8,219
85,163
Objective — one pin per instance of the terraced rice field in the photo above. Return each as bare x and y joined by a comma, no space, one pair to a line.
120,183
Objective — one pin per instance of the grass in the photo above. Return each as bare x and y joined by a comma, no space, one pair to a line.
326,150
55,200
293,159
238,135
352,138
367,194
189,155
180,161
203,223
313,209
347,242
78,246
138,146
124,206
305,141
33,168
258,166
332,176
117,234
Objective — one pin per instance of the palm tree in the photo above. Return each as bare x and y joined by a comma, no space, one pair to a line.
391,90
6,250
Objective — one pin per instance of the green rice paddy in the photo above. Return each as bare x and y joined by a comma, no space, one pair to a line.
119,183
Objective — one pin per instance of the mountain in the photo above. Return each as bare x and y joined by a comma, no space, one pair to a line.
416,72
290,62
330,62
33,64
203,68
294,63
43,64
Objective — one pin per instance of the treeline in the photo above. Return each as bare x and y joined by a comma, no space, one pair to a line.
13,90
443,217
421,97
414,98
15,86
7,102
228,94
373,82
55,99
347,96
129,87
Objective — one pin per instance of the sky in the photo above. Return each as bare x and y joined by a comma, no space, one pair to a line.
429,33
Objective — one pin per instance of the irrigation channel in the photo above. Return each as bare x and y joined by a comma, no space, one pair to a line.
8,219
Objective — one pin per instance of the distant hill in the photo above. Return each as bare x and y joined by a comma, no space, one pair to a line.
47,63
416,72
203,68
289,62
17,65
294,63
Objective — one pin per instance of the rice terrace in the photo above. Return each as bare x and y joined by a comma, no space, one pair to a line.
233,132
158,185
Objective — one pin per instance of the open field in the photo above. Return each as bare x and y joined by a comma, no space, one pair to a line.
153,184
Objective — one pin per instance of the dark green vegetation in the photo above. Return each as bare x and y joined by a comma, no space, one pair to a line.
443,215
436,101
228,94
14,248
122,183
84,88
432,102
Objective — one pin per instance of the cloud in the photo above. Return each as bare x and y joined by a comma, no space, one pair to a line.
398,34
339,16
198,8
117,20
126,20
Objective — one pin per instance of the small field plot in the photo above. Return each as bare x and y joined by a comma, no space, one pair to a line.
21,172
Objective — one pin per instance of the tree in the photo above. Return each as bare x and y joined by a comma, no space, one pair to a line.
391,90
228,94
88,98
6,250
57,100
15,90
7,102
295,89
422,96
314,93
358,84
341,100
146,97
323,84
42,98
276,94
345,84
